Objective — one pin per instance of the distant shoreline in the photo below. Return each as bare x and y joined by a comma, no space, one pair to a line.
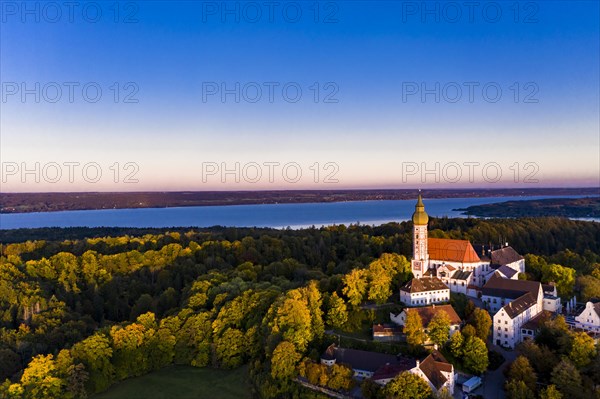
588,207
11,203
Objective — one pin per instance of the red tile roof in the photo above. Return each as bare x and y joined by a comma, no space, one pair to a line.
445,249
432,367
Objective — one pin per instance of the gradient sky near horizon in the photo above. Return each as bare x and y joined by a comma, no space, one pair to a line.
365,55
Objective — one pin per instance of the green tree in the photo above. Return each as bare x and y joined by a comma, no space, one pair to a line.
380,281
550,392
439,328
456,344
370,389
518,390
293,320
475,356
314,302
540,357
521,370
589,287
482,322
284,361
564,277
583,350
413,328
95,353
341,377
469,331
407,385
40,379
567,379
355,286
229,348
193,339
337,313
128,354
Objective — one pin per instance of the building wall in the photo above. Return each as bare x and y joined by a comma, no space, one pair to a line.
507,331
494,303
458,286
424,298
552,304
588,319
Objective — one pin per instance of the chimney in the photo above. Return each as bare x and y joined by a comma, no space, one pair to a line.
433,305
418,363
435,347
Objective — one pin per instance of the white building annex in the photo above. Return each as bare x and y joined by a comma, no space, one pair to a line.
589,318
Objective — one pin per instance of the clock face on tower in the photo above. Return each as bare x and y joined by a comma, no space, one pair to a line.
417,265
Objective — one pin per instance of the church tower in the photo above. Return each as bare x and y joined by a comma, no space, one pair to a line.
420,260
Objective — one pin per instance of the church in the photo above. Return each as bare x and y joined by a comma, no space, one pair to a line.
441,265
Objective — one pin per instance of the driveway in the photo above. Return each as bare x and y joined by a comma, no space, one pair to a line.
493,381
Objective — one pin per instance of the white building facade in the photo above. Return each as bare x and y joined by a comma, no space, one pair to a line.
589,318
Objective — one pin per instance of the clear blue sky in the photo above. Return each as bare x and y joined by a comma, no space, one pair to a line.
365,55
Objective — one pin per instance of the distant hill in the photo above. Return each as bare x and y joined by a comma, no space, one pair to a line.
563,207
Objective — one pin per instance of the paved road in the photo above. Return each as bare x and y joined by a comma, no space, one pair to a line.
493,381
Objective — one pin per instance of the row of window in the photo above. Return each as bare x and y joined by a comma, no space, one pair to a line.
426,301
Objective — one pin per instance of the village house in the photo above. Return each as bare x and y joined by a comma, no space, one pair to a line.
382,368
363,363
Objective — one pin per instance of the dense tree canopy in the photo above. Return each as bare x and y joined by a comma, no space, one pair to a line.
90,307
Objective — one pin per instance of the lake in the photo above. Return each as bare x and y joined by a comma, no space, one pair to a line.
270,215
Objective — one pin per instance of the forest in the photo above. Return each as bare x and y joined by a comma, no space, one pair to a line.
82,309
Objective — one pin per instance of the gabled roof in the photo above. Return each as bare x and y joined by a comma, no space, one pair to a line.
461,275
361,360
507,271
388,371
549,288
433,365
595,306
505,256
424,284
519,305
428,312
445,249
500,287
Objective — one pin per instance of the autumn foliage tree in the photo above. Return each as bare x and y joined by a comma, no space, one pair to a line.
413,328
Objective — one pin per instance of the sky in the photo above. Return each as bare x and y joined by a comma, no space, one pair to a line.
210,95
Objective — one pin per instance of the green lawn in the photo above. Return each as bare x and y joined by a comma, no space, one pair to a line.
183,382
